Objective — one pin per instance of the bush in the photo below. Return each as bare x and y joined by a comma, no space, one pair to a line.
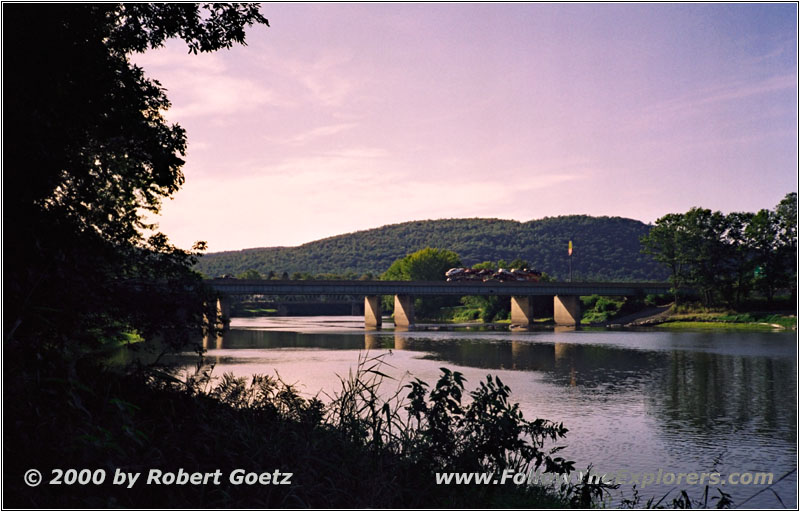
358,451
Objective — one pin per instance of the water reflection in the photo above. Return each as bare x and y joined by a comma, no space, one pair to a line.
685,401
695,389
709,391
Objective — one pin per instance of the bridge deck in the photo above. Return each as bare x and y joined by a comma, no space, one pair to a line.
422,288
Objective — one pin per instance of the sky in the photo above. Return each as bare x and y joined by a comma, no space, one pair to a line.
343,117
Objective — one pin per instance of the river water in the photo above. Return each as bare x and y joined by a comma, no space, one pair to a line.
634,401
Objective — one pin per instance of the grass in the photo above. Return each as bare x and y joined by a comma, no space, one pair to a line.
459,314
785,321
257,312
714,326
711,319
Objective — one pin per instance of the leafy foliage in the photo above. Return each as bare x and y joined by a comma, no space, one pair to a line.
606,248
725,257
489,433
427,264
90,154
362,449
424,265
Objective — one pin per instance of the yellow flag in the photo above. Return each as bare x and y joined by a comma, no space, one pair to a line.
569,251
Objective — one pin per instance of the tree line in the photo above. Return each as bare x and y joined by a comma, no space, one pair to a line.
606,248
725,258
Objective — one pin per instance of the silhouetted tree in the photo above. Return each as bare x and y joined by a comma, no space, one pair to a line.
87,155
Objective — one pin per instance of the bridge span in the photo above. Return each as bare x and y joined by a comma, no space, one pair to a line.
566,295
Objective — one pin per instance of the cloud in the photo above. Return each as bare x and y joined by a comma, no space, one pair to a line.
313,134
692,103
203,86
304,198
324,80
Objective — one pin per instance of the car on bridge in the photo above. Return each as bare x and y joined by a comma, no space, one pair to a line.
501,275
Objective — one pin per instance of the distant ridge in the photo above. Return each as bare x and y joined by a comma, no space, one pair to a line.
605,248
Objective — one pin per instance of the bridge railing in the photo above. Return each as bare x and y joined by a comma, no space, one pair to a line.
429,288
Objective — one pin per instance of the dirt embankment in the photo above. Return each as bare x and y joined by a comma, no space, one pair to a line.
649,316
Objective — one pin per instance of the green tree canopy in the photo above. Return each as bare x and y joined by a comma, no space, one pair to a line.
250,274
427,264
424,265
725,256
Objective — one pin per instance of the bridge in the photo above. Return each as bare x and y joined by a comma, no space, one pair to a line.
566,295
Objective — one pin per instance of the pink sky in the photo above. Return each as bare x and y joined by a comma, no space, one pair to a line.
343,117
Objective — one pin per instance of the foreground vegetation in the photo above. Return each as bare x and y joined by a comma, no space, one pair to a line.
361,449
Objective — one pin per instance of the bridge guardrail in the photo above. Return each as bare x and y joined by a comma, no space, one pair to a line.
422,288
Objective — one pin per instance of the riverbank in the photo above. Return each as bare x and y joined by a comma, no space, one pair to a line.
336,455
661,317
700,318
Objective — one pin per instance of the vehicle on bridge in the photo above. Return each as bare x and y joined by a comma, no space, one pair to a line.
502,275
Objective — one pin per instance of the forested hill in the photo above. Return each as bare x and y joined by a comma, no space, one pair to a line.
605,248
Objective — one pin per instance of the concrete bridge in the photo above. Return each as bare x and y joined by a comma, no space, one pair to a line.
566,296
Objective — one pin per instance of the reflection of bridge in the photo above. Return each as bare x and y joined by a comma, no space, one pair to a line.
291,304
566,296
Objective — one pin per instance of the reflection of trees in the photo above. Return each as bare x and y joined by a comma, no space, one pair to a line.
715,391
563,363
254,338
697,389
684,389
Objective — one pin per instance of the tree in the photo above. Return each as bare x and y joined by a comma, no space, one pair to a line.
89,156
519,263
787,233
704,249
424,265
667,242
250,274
787,220
725,255
763,236
739,256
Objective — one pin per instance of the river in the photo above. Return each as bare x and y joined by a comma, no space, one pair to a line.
634,401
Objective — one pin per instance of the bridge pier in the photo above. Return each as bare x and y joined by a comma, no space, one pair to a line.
403,311
399,341
567,310
372,312
212,341
371,341
222,314
522,311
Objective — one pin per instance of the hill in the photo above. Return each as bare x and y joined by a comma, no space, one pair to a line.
605,248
